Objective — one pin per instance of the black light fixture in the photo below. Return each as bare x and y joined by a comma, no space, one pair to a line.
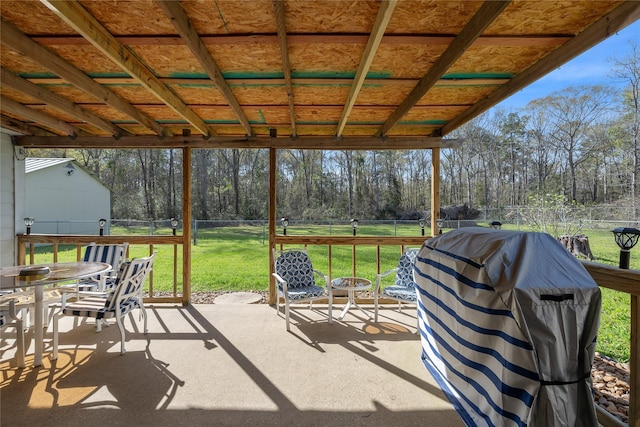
102,222
496,225
626,238
422,222
174,225
354,225
439,224
285,222
28,221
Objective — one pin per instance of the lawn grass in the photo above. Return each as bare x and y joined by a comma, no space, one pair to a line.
236,258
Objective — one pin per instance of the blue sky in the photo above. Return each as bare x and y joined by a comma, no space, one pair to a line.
592,67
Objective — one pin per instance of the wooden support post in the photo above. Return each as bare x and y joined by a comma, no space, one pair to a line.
435,190
186,226
634,365
272,222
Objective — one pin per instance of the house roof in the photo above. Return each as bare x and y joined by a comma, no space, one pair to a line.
317,74
32,164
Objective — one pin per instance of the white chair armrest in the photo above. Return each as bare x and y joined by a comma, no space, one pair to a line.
282,281
381,275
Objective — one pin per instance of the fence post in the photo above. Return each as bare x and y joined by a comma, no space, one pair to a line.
195,232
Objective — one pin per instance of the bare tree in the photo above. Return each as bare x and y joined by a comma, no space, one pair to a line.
628,69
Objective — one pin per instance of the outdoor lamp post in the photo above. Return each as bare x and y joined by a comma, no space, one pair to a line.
439,223
626,238
285,222
496,225
354,225
102,222
28,221
174,225
422,222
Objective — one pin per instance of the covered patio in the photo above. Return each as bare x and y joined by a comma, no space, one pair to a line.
279,75
230,364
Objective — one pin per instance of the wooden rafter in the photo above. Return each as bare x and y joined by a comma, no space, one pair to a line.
20,110
13,38
379,26
619,18
11,80
90,28
479,81
21,127
487,13
180,21
278,6
295,39
311,143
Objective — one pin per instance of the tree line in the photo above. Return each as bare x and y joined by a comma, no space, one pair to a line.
580,143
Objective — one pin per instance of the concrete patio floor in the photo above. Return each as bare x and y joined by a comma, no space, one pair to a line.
228,364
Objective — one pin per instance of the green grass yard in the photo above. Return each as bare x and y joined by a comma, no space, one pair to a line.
236,258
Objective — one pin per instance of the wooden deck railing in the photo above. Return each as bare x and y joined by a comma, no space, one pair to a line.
27,244
626,281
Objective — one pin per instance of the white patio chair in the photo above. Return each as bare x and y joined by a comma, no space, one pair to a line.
295,281
17,308
114,255
125,296
404,289
12,313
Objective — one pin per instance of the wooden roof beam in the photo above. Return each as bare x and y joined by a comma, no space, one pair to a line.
11,80
84,23
624,15
309,143
180,21
487,13
19,126
11,106
379,27
521,40
13,38
278,6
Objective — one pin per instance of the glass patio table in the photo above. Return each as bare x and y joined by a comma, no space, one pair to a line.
351,285
37,276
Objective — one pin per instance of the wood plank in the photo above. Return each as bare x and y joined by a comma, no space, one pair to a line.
379,26
321,38
278,6
309,143
183,26
22,111
487,13
16,40
616,20
273,167
83,22
9,79
351,240
482,81
21,127
620,280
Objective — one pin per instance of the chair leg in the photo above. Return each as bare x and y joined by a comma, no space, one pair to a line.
375,305
54,355
144,317
121,327
20,347
286,312
330,308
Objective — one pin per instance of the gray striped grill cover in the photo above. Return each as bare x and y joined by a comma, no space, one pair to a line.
508,322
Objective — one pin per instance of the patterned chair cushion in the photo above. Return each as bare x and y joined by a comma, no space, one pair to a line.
404,287
296,269
404,276
400,292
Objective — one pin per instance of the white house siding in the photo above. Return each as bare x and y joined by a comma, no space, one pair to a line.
11,199
63,202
